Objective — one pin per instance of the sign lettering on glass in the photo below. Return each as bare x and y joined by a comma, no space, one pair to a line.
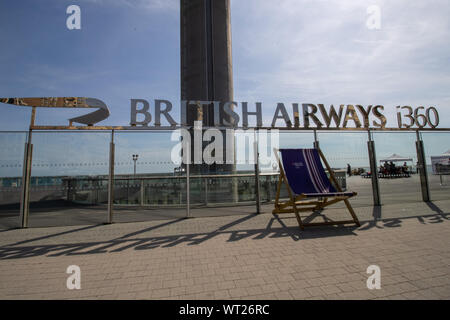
305,115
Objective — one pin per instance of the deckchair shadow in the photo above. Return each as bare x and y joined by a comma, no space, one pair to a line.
308,186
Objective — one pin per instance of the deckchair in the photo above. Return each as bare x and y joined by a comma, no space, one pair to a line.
308,186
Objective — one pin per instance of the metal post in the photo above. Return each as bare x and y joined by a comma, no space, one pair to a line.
142,192
257,184
188,196
316,146
26,175
97,191
111,179
269,188
373,170
26,179
422,168
316,142
206,191
128,190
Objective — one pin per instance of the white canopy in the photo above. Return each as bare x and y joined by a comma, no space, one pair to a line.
446,153
395,157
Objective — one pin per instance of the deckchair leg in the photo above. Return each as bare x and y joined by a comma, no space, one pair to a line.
350,209
277,196
299,219
291,196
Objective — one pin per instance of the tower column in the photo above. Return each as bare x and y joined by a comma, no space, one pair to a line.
206,64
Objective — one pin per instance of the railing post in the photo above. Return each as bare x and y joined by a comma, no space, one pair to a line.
257,184
26,179
373,170
422,168
111,179
97,190
188,196
316,141
142,192
26,175
268,188
316,146
206,190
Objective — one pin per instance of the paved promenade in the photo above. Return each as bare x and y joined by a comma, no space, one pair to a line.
238,257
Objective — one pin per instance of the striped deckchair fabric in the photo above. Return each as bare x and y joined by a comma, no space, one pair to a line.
302,172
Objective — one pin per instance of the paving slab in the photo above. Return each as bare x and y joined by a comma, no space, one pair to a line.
235,257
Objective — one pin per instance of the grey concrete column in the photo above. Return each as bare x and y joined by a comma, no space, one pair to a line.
206,65
422,168
373,170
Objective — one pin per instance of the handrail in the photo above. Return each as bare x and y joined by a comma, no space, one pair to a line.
171,177
169,129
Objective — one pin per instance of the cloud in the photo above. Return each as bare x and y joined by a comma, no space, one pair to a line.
322,52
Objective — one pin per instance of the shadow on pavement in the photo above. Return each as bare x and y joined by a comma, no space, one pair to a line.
275,228
127,243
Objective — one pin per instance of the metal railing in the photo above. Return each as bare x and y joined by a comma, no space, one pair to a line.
260,186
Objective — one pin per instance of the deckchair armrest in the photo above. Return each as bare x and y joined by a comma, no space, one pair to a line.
329,194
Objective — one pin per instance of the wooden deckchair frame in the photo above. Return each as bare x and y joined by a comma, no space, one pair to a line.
297,204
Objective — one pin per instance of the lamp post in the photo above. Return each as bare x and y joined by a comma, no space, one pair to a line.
135,157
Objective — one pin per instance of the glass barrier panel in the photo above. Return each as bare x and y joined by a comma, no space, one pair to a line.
347,154
437,155
12,146
69,178
397,167
148,183
227,194
229,188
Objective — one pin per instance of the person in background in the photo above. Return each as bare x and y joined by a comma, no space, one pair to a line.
391,168
386,167
405,167
349,170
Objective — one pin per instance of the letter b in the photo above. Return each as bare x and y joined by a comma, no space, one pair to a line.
144,111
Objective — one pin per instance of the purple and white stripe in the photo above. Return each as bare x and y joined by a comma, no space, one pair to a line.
314,172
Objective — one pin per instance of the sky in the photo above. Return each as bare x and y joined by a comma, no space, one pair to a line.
302,51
